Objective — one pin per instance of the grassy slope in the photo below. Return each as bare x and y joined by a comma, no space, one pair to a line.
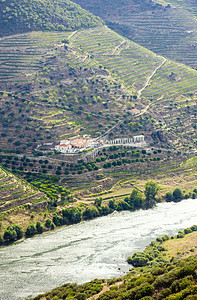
184,247
23,16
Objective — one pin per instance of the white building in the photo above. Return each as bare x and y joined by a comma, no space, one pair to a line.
130,140
75,145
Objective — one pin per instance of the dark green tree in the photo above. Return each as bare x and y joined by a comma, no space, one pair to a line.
90,212
151,189
169,197
39,227
72,215
98,202
10,234
31,230
135,200
177,195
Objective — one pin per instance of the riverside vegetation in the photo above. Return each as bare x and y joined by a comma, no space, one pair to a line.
55,216
156,274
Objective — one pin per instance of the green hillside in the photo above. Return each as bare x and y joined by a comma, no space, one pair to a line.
27,15
168,28
164,86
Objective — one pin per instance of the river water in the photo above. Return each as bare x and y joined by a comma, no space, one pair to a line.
85,251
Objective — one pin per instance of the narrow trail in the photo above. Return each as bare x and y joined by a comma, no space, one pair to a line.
150,77
109,130
72,34
106,288
143,111
124,41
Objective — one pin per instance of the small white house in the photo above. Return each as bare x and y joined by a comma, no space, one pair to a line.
63,148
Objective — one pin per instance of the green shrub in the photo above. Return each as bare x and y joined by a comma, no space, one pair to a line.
90,212
164,293
147,290
194,227
9,235
31,230
187,230
72,215
177,195
48,223
122,205
52,226
180,235
138,259
39,227
187,270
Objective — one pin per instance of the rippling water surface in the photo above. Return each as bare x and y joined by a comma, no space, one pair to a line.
89,250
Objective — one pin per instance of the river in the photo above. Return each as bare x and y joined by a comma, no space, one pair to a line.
85,251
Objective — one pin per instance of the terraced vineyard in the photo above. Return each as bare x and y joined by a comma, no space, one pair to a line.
135,64
165,34
61,95
22,55
168,28
190,5
16,192
137,77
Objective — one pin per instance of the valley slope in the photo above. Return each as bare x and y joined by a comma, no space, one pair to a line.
168,28
69,81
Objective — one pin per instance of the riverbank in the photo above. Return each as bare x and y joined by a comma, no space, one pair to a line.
21,223
76,212
151,281
92,249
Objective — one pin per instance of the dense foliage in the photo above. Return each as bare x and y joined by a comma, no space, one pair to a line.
27,15
76,213
155,253
74,291
170,281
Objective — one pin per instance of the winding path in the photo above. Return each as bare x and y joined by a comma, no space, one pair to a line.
150,77
71,35
106,288
118,47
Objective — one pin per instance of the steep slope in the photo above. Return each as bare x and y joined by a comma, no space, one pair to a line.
164,86
27,15
51,89
16,192
189,5
168,28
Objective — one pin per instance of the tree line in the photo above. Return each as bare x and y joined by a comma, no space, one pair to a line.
75,214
